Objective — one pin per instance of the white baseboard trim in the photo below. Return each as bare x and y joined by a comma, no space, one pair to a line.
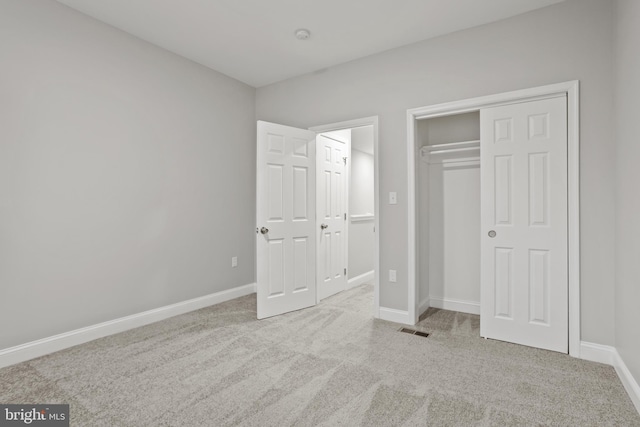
397,316
424,305
33,349
363,278
597,353
630,384
470,307
609,355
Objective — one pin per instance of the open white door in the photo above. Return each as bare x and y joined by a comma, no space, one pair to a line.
524,290
333,150
286,209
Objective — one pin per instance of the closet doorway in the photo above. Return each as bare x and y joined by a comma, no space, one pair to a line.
493,224
448,194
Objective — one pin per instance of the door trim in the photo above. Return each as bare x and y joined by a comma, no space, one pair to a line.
571,89
366,121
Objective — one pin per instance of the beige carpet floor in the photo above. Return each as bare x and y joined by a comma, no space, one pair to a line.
331,365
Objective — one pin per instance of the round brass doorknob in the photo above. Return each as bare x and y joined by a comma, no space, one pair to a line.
492,234
264,230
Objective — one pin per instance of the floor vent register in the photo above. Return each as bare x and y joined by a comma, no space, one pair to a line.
414,332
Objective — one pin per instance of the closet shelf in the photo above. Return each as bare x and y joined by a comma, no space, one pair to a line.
362,217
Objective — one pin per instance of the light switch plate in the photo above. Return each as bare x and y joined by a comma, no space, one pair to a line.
392,276
234,261
393,198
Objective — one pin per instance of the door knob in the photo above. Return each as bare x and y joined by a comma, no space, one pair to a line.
492,234
323,226
264,230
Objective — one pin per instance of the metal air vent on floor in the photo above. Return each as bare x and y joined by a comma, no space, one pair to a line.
414,332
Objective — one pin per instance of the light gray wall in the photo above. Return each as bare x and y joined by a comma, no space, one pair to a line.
568,41
361,201
454,232
455,128
127,174
361,195
627,106
362,139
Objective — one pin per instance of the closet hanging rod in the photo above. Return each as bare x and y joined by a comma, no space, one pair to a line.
451,148
452,145
454,150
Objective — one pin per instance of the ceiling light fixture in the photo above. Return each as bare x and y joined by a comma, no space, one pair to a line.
302,34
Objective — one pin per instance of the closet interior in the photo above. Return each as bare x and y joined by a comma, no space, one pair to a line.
448,212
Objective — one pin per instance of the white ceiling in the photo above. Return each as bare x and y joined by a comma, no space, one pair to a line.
253,40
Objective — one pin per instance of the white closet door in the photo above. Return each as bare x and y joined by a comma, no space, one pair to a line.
524,283
286,207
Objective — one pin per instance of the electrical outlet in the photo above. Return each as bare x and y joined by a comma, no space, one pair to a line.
392,276
234,261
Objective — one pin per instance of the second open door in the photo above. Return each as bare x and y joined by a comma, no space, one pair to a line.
332,156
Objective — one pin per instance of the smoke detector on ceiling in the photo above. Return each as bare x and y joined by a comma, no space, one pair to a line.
302,34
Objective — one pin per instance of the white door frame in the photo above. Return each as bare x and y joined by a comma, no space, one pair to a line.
571,89
366,121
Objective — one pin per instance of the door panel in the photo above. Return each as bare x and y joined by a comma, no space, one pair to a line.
332,212
325,252
539,189
524,202
504,283
286,205
338,263
539,286
276,267
503,189
300,255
